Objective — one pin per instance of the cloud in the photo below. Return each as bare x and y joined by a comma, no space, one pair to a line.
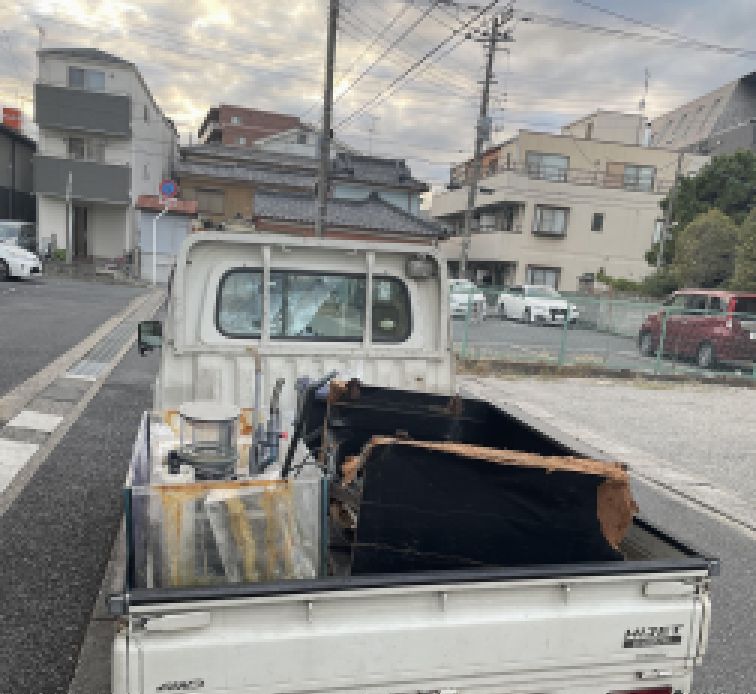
269,55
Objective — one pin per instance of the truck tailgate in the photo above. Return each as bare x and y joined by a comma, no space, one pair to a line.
560,634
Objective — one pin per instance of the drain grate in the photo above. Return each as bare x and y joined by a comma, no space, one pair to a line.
99,357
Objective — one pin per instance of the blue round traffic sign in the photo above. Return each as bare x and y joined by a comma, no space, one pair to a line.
168,188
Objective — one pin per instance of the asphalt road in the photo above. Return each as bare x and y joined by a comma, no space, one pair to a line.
520,342
56,538
40,319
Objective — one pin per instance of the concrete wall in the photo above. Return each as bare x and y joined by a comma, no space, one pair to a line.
51,220
608,126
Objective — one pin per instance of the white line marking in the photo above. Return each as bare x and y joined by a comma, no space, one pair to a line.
81,377
13,456
29,419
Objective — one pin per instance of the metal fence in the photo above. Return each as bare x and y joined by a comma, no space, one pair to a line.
646,337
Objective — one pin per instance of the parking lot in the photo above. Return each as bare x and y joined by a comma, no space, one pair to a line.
574,345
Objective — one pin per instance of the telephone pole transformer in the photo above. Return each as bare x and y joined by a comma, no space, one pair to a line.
482,130
325,133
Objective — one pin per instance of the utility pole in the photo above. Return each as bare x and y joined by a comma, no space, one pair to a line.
69,219
668,215
482,132
325,133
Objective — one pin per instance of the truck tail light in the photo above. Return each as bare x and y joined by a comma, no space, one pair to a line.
651,690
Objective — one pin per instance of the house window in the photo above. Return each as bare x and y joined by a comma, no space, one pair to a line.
146,113
242,140
77,148
597,222
86,149
210,201
235,120
301,138
146,172
82,78
550,221
548,167
640,178
547,276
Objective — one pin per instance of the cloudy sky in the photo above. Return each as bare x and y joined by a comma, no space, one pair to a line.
269,54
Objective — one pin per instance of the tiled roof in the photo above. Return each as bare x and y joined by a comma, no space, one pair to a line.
372,213
253,174
361,167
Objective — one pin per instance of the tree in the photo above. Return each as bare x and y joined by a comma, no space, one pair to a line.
705,250
726,183
744,276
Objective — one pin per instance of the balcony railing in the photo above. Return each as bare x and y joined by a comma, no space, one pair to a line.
109,183
583,177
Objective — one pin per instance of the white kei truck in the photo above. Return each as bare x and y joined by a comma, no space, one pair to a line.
233,582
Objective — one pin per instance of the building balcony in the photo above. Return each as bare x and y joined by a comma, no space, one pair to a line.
580,177
66,108
91,181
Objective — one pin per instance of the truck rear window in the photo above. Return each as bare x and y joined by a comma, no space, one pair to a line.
313,306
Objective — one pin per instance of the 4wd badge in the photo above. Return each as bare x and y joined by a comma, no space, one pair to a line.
644,637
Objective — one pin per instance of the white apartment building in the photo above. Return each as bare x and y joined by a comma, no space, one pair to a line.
103,142
558,209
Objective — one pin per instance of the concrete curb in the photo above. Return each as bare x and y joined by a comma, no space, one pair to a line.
500,367
143,309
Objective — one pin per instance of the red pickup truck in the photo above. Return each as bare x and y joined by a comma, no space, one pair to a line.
709,326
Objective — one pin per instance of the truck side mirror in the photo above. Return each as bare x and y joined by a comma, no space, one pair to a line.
150,335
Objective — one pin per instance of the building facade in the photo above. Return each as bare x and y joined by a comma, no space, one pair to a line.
239,126
558,209
719,122
103,142
16,180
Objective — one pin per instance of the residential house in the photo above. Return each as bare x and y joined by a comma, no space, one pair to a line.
720,122
302,140
16,180
238,126
226,180
557,209
368,218
103,142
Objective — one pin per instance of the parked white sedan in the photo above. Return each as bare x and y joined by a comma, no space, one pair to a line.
535,303
17,262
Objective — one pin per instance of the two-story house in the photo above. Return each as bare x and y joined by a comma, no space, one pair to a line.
556,209
103,142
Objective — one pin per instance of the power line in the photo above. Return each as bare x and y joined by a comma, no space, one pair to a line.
560,22
385,92
388,50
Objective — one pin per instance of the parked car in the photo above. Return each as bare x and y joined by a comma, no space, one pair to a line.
17,262
706,325
536,303
22,234
462,293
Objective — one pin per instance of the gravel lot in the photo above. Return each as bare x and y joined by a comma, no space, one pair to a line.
41,319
